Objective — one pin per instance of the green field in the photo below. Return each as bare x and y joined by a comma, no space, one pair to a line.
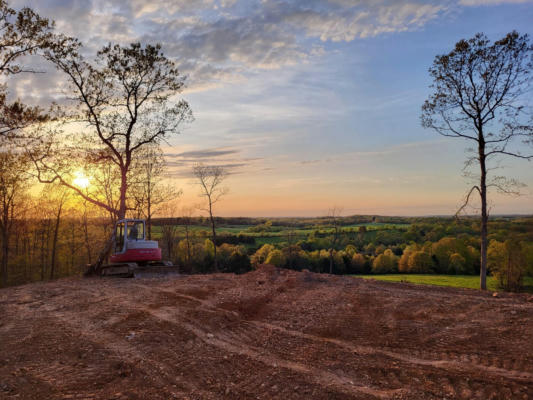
460,281
281,231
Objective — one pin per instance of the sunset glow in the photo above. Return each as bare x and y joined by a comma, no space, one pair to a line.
81,180
307,104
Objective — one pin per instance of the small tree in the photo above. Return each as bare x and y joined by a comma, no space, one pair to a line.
507,263
480,95
210,179
149,190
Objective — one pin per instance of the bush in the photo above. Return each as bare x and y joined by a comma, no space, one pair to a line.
261,254
276,257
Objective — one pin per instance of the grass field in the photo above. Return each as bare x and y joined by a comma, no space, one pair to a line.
372,229
461,281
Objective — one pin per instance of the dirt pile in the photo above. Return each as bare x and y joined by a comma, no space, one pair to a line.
268,334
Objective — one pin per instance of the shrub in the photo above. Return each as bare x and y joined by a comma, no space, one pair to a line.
276,257
261,254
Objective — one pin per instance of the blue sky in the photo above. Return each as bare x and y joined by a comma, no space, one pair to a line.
310,104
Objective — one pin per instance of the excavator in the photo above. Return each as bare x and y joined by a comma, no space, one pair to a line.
133,255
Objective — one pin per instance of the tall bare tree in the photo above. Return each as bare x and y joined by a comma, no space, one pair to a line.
210,179
122,102
481,90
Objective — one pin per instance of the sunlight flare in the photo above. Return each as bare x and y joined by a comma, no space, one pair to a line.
81,180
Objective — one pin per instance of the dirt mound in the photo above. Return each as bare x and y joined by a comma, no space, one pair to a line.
268,334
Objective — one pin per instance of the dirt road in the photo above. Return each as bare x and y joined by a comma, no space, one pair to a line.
269,334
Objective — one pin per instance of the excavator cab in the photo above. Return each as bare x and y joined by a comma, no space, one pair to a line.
128,229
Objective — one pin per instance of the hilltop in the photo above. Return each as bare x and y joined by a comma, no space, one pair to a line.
267,334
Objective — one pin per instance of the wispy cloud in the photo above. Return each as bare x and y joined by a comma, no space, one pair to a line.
474,3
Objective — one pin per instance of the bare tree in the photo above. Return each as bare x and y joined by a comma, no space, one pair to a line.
480,94
334,214
122,102
210,179
149,189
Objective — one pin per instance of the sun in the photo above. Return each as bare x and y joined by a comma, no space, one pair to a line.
81,180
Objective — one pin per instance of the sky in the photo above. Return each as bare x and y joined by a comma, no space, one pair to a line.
308,104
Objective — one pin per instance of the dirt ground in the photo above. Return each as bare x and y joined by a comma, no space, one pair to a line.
269,334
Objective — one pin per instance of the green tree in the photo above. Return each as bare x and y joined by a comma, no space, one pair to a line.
420,262
457,264
507,263
261,254
358,263
385,263
276,257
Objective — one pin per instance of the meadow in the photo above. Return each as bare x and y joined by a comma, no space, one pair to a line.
458,281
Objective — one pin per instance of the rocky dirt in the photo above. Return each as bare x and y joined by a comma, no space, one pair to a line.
269,334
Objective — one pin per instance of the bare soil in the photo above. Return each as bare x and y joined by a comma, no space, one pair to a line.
269,334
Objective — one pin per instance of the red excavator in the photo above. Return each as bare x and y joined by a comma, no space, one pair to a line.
133,255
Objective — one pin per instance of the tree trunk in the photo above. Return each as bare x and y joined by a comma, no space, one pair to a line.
54,242
484,214
330,261
5,254
214,232
188,244
95,268
149,211
86,234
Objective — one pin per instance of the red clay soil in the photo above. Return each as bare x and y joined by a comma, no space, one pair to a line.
269,334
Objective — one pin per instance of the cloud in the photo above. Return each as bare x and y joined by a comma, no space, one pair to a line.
475,3
203,153
220,41
363,19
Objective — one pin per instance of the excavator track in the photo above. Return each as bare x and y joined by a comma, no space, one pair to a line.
134,270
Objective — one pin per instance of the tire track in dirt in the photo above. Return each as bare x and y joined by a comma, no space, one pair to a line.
175,362
267,335
315,375
444,363
121,351
446,360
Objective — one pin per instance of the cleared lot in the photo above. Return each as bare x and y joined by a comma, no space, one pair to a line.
267,334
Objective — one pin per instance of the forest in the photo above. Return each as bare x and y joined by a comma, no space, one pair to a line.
67,238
